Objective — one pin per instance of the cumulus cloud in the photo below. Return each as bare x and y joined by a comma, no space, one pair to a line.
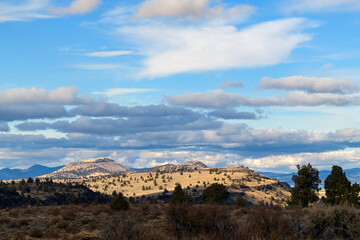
241,143
121,91
191,9
221,99
24,11
61,95
311,84
12,112
321,5
323,160
232,114
108,53
105,109
122,126
171,50
77,7
228,84
4,127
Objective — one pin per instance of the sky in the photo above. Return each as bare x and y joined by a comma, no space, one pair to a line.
265,84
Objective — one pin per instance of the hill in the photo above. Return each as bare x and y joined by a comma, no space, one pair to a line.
36,170
89,168
159,183
184,167
46,193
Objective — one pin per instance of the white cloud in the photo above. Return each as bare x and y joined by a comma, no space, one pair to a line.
104,66
61,95
321,5
221,99
77,7
327,66
228,84
121,91
311,84
193,9
26,10
172,50
322,160
108,53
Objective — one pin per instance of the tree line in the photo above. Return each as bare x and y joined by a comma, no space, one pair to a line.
338,189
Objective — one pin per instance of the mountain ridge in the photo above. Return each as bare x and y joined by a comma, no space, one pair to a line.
183,167
89,168
33,171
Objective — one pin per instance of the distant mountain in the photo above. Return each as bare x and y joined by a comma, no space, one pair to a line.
36,170
185,167
352,174
89,168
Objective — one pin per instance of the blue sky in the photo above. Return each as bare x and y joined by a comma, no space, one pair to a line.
266,84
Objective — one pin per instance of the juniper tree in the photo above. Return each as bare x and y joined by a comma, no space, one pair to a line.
215,194
119,203
306,186
338,188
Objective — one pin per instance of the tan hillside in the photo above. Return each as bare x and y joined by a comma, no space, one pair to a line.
238,179
89,168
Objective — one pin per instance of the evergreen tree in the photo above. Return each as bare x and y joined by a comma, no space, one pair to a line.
306,186
180,196
339,189
215,194
119,203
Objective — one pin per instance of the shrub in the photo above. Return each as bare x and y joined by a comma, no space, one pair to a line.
240,201
36,233
331,223
119,203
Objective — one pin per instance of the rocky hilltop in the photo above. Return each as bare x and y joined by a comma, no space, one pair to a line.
184,167
89,168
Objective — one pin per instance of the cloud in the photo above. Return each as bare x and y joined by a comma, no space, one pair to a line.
232,114
228,84
311,84
327,66
321,5
77,7
194,9
171,50
105,109
221,99
131,125
4,127
121,91
324,160
108,53
24,11
12,112
61,95
104,66
32,126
